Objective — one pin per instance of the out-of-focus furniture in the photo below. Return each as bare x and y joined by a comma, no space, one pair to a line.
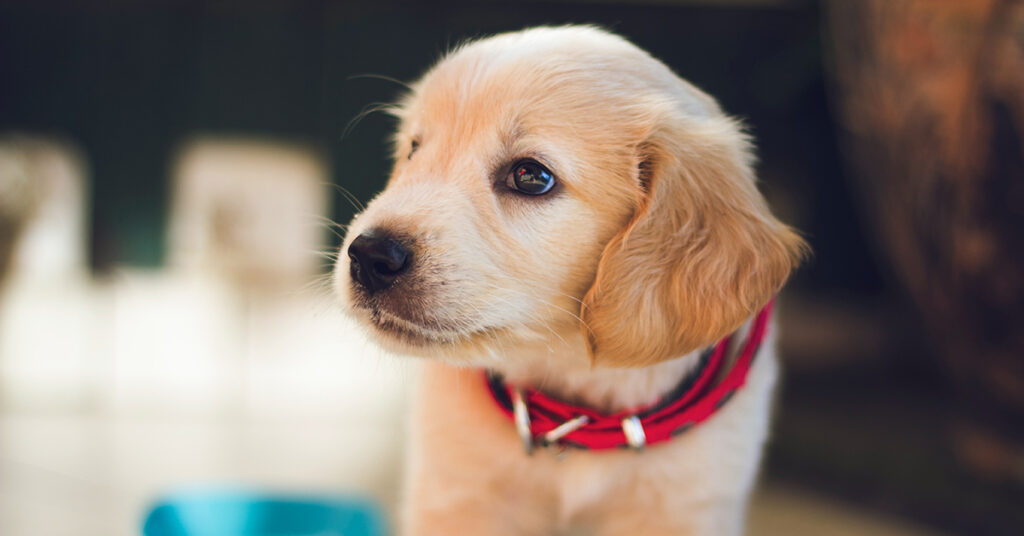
42,207
48,327
251,211
932,96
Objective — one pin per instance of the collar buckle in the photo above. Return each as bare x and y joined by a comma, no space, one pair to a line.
521,415
565,429
633,429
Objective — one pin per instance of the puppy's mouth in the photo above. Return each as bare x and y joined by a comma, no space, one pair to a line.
407,330
418,333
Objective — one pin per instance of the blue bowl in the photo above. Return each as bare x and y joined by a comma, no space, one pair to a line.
225,513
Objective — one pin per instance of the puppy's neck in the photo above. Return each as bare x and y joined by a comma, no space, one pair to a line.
563,371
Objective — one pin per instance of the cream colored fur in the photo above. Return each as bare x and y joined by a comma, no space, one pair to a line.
654,244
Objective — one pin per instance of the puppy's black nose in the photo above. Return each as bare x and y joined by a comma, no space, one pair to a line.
377,261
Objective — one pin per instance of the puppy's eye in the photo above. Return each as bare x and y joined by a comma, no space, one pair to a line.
530,178
412,149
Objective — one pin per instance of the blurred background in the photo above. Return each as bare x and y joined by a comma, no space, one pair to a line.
170,172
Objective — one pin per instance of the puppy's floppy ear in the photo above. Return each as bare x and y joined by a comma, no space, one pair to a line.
700,255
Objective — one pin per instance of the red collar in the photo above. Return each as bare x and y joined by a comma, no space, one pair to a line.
542,420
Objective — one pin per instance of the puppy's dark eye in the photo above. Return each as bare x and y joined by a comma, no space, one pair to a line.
530,178
412,149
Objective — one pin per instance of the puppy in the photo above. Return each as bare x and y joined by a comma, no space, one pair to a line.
571,217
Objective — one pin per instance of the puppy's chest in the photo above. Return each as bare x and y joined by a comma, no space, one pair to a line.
715,460
584,481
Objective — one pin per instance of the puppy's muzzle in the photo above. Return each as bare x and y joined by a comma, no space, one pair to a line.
377,260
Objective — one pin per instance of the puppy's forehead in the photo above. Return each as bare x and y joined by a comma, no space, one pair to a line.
582,88
523,78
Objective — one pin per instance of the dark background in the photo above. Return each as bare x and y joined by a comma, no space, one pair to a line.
863,407
130,81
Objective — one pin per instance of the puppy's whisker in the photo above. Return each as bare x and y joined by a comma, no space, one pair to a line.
491,334
350,197
332,253
369,109
523,283
543,324
543,301
331,225
320,218
322,285
380,77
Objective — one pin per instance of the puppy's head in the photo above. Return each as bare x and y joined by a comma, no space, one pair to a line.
558,180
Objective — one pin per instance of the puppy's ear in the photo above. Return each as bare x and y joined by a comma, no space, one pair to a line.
701,254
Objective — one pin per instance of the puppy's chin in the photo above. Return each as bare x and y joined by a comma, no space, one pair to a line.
400,336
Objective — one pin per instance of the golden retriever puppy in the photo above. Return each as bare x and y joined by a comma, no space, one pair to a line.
570,216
